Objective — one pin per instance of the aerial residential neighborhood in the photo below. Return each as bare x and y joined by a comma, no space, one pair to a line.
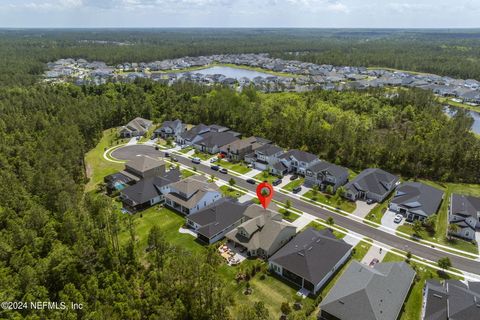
301,254
240,160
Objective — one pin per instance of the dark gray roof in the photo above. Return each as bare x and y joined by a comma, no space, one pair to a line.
190,134
299,155
147,189
466,206
269,149
373,180
219,139
218,216
436,304
312,254
418,198
369,293
463,303
169,124
331,168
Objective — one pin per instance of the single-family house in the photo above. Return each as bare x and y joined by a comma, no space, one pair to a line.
267,157
367,293
263,234
298,161
416,200
464,212
373,183
211,142
192,194
238,149
139,168
214,221
324,173
450,300
170,129
136,127
311,258
149,191
195,134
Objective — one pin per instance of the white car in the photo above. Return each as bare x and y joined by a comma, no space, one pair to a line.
213,160
398,218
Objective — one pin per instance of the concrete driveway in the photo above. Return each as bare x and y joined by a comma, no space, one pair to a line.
363,209
373,253
387,221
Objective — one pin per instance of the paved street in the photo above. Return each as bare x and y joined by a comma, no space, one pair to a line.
389,239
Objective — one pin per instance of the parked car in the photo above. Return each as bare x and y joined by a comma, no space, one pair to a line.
251,181
277,182
294,177
223,170
213,160
297,189
196,160
373,262
216,168
167,154
398,218
175,159
370,201
156,147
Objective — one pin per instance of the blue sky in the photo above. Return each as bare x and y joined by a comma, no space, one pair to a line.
241,13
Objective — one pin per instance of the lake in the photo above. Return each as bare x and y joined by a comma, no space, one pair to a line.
450,111
230,72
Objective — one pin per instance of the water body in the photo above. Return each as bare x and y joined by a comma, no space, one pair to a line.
230,72
450,111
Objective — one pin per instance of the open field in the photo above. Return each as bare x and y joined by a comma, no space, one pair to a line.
97,166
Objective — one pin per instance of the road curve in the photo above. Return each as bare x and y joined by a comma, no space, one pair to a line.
422,251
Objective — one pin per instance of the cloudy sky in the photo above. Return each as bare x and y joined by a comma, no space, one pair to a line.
240,13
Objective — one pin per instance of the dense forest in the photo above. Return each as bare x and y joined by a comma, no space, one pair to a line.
59,244
455,53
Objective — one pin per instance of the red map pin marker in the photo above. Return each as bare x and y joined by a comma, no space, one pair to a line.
265,193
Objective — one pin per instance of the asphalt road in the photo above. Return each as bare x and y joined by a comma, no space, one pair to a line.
465,264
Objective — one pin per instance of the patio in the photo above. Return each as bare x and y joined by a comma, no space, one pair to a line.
231,254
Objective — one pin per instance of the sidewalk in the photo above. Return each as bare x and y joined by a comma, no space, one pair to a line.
252,173
302,222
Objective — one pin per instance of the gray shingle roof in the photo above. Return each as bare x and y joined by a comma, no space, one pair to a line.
218,216
217,139
463,302
436,295
312,254
331,168
373,180
369,293
147,189
418,198
144,163
299,155
269,149
466,206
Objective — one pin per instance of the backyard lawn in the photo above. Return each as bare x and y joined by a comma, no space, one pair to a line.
413,305
288,215
97,166
265,176
442,217
334,201
237,167
293,184
230,192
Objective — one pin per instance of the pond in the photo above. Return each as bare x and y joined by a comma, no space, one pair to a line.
230,72
450,111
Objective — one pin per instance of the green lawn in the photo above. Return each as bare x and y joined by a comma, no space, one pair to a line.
318,226
293,184
377,212
334,201
265,176
413,305
186,150
186,173
449,101
168,221
288,215
237,167
97,166
229,192
203,156
442,217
